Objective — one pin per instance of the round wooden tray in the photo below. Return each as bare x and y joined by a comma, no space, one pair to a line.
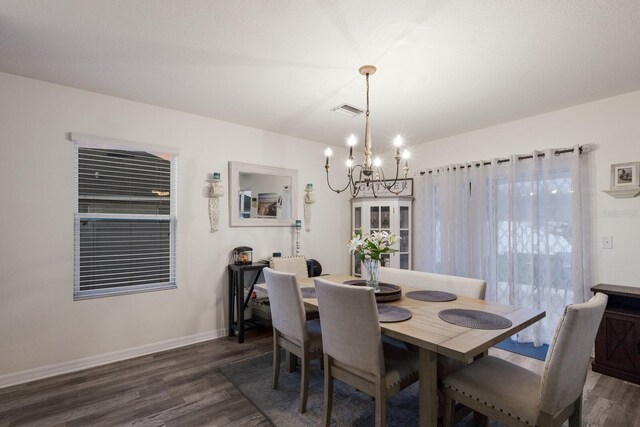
388,292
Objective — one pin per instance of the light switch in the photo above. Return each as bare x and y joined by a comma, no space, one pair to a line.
607,242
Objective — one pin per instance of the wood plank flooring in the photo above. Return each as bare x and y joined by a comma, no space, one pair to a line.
183,387
180,387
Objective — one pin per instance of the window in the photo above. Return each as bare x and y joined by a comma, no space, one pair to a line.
125,220
520,225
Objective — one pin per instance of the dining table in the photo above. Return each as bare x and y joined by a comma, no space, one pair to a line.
433,336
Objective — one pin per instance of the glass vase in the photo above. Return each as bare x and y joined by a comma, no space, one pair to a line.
372,267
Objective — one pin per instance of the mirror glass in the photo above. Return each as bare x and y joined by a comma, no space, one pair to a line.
262,195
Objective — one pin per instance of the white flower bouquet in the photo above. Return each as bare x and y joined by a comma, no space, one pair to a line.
371,246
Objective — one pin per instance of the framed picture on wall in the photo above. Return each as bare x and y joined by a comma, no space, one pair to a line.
624,175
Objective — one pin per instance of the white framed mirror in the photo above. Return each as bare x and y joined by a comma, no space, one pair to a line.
262,196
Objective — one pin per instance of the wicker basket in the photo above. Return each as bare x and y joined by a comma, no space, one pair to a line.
261,311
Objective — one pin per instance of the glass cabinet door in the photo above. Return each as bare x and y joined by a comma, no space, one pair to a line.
385,218
404,249
374,218
380,218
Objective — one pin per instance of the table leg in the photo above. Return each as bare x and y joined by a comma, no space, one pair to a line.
428,395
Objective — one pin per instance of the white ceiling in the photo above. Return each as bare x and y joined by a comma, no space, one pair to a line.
444,67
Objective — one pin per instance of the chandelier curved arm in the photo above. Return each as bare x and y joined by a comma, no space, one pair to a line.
338,191
350,181
382,180
355,189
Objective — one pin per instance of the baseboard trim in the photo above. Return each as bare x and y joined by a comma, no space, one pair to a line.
21,377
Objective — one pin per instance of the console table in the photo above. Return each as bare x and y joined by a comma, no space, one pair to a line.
237,302
618,339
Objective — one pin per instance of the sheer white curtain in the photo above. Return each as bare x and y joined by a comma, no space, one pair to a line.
521,225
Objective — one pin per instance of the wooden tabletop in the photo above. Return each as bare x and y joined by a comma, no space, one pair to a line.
425,329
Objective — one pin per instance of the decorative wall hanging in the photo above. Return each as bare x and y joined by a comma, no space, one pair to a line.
216,191
309,199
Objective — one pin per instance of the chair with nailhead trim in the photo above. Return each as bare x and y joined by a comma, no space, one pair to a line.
516,396
353,349
291,330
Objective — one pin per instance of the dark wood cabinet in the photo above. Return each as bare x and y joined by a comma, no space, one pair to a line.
618,339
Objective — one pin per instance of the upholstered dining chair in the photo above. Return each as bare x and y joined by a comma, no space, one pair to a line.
463,286
353,348
298,265
291,330
516,396
290,264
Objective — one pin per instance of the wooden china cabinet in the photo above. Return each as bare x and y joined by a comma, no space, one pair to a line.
391,214
618,340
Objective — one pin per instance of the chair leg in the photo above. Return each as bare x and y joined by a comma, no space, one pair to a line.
304,379
328,392
276,359
448,412
381,404
292,359
575,420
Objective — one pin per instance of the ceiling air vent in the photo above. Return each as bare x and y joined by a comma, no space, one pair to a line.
347,110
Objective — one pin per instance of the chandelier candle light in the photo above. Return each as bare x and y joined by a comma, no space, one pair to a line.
370,172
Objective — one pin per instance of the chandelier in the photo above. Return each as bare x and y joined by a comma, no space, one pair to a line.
369,174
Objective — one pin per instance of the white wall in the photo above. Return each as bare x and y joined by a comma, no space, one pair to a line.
612,125
40,324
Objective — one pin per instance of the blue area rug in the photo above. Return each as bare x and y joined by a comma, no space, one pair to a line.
351,408
525,349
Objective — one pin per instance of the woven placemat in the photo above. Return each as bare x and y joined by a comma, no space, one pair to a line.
308,292
431,296
391,313
474,319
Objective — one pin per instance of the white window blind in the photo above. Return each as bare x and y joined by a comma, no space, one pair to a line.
125,222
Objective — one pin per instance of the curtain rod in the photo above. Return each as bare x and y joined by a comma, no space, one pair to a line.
581,149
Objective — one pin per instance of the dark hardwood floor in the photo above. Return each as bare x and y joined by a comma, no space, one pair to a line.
184,387
180,387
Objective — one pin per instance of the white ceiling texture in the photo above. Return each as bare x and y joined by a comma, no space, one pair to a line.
444,67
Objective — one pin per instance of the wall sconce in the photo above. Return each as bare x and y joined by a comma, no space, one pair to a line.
215,192
309,199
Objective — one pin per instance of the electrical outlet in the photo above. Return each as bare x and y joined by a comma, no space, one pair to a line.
607,242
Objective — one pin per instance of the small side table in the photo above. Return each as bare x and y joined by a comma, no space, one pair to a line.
237,302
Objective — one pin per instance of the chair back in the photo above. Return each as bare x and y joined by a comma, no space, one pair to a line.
463,286
287,307
350,325
290,264
565,369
